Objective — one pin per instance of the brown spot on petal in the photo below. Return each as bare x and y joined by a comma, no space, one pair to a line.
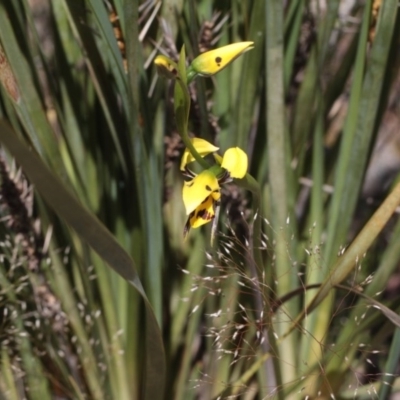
204,214
218,60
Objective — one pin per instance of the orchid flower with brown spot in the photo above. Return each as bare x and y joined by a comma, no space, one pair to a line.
201,194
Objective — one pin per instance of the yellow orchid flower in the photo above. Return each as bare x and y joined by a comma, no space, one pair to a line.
201,195
213,61
234,160
200,188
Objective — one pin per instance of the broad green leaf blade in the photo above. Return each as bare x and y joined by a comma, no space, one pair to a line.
315,275
278,155
99,238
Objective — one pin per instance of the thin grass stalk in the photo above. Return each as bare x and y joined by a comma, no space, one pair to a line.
68,301
246,73
28,108
182,381
278,174
186,319
314,272
352,157
98,73
386,267
96,63
155,361
121,383
325,27
303,119
113,52
295,12
30,364
390,369
9,386
243,380
97,236
339,220
355,252
270,373
200,83
181,311
361,128
225,367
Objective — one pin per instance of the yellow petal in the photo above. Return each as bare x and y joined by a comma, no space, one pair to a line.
213,61
166,67
203,148
197,190
201,215
235,161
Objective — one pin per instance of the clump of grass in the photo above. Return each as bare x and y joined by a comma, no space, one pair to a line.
234,330
305,104
29,308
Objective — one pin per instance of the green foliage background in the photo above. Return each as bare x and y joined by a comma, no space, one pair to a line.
100,296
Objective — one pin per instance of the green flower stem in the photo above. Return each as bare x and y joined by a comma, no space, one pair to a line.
272,369
191,74
194,152
182,121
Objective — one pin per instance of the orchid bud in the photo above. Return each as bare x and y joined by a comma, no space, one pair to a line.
213,61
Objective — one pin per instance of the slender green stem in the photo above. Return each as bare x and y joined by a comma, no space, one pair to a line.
191,74
182,98
194,152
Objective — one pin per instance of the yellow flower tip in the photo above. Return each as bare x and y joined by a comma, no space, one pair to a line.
236,162
166,67
213,61
202,147
199,189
